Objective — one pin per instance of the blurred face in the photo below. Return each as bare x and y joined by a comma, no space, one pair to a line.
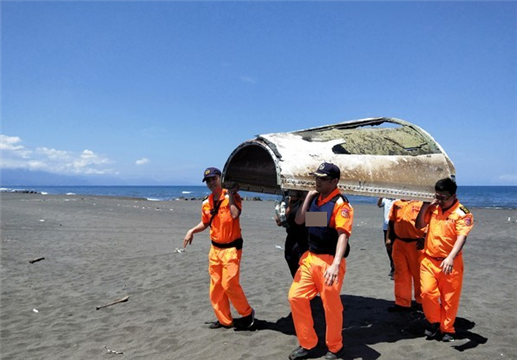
213,183
444,199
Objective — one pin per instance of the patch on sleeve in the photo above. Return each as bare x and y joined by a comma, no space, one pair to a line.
464,209
345,213
468,220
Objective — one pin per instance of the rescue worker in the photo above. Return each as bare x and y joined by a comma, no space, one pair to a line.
329,217
408,242
296,239
441,269
221,211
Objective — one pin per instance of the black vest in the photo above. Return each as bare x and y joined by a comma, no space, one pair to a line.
323,239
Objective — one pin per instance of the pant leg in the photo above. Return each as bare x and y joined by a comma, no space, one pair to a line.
389,251
218,297
332,304
414,259
403,279
302,291
429,271
450,289
231,260
292,254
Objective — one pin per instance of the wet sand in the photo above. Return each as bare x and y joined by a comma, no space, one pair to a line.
97,250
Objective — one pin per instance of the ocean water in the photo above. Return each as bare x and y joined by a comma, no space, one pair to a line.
504,197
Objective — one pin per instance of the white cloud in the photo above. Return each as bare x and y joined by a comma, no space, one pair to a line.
15,155
142,161
9,144
83,164
54,154
34,165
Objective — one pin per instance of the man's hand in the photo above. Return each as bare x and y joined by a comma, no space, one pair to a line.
232,188
389,244
331,274
447,265
188,239
312,193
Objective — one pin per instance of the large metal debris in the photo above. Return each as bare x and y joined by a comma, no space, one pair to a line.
378,157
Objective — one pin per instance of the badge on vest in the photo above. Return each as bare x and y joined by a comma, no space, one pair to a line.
316,218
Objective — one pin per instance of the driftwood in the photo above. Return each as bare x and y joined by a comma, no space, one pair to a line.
36,260
124,299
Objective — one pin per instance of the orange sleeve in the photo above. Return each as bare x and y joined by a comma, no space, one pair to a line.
465,224
393,214
343,215
205,212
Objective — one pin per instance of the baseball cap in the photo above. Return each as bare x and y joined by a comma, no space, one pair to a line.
211,172
327,169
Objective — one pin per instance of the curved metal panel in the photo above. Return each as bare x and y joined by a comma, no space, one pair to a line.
377,157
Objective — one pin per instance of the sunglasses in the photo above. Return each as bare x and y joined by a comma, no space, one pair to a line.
440,197
325,178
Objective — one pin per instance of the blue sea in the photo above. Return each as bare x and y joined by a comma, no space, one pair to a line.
502,197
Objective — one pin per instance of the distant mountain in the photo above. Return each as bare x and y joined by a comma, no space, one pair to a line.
23,177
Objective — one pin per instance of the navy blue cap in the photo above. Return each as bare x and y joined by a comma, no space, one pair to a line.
211,172
327,169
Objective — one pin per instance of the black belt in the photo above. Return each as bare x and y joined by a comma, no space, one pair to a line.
409,239
235,243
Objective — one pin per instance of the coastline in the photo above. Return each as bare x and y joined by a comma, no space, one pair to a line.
99,249
490,197
183,196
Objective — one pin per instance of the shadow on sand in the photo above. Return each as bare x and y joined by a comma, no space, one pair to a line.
366,322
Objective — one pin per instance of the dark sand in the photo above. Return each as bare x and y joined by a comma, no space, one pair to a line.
98,250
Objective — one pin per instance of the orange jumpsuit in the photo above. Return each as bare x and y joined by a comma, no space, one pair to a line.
441,292
224,262
406,256
309,281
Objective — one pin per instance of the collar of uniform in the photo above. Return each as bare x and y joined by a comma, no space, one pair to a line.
222,195
450,210
328,198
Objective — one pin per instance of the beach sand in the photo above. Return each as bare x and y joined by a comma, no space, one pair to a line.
97,250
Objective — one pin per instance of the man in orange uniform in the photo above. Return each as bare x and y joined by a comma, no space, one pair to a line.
322,267
407,250
441,270
221,211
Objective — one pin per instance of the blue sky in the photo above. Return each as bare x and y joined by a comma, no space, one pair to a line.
158,91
